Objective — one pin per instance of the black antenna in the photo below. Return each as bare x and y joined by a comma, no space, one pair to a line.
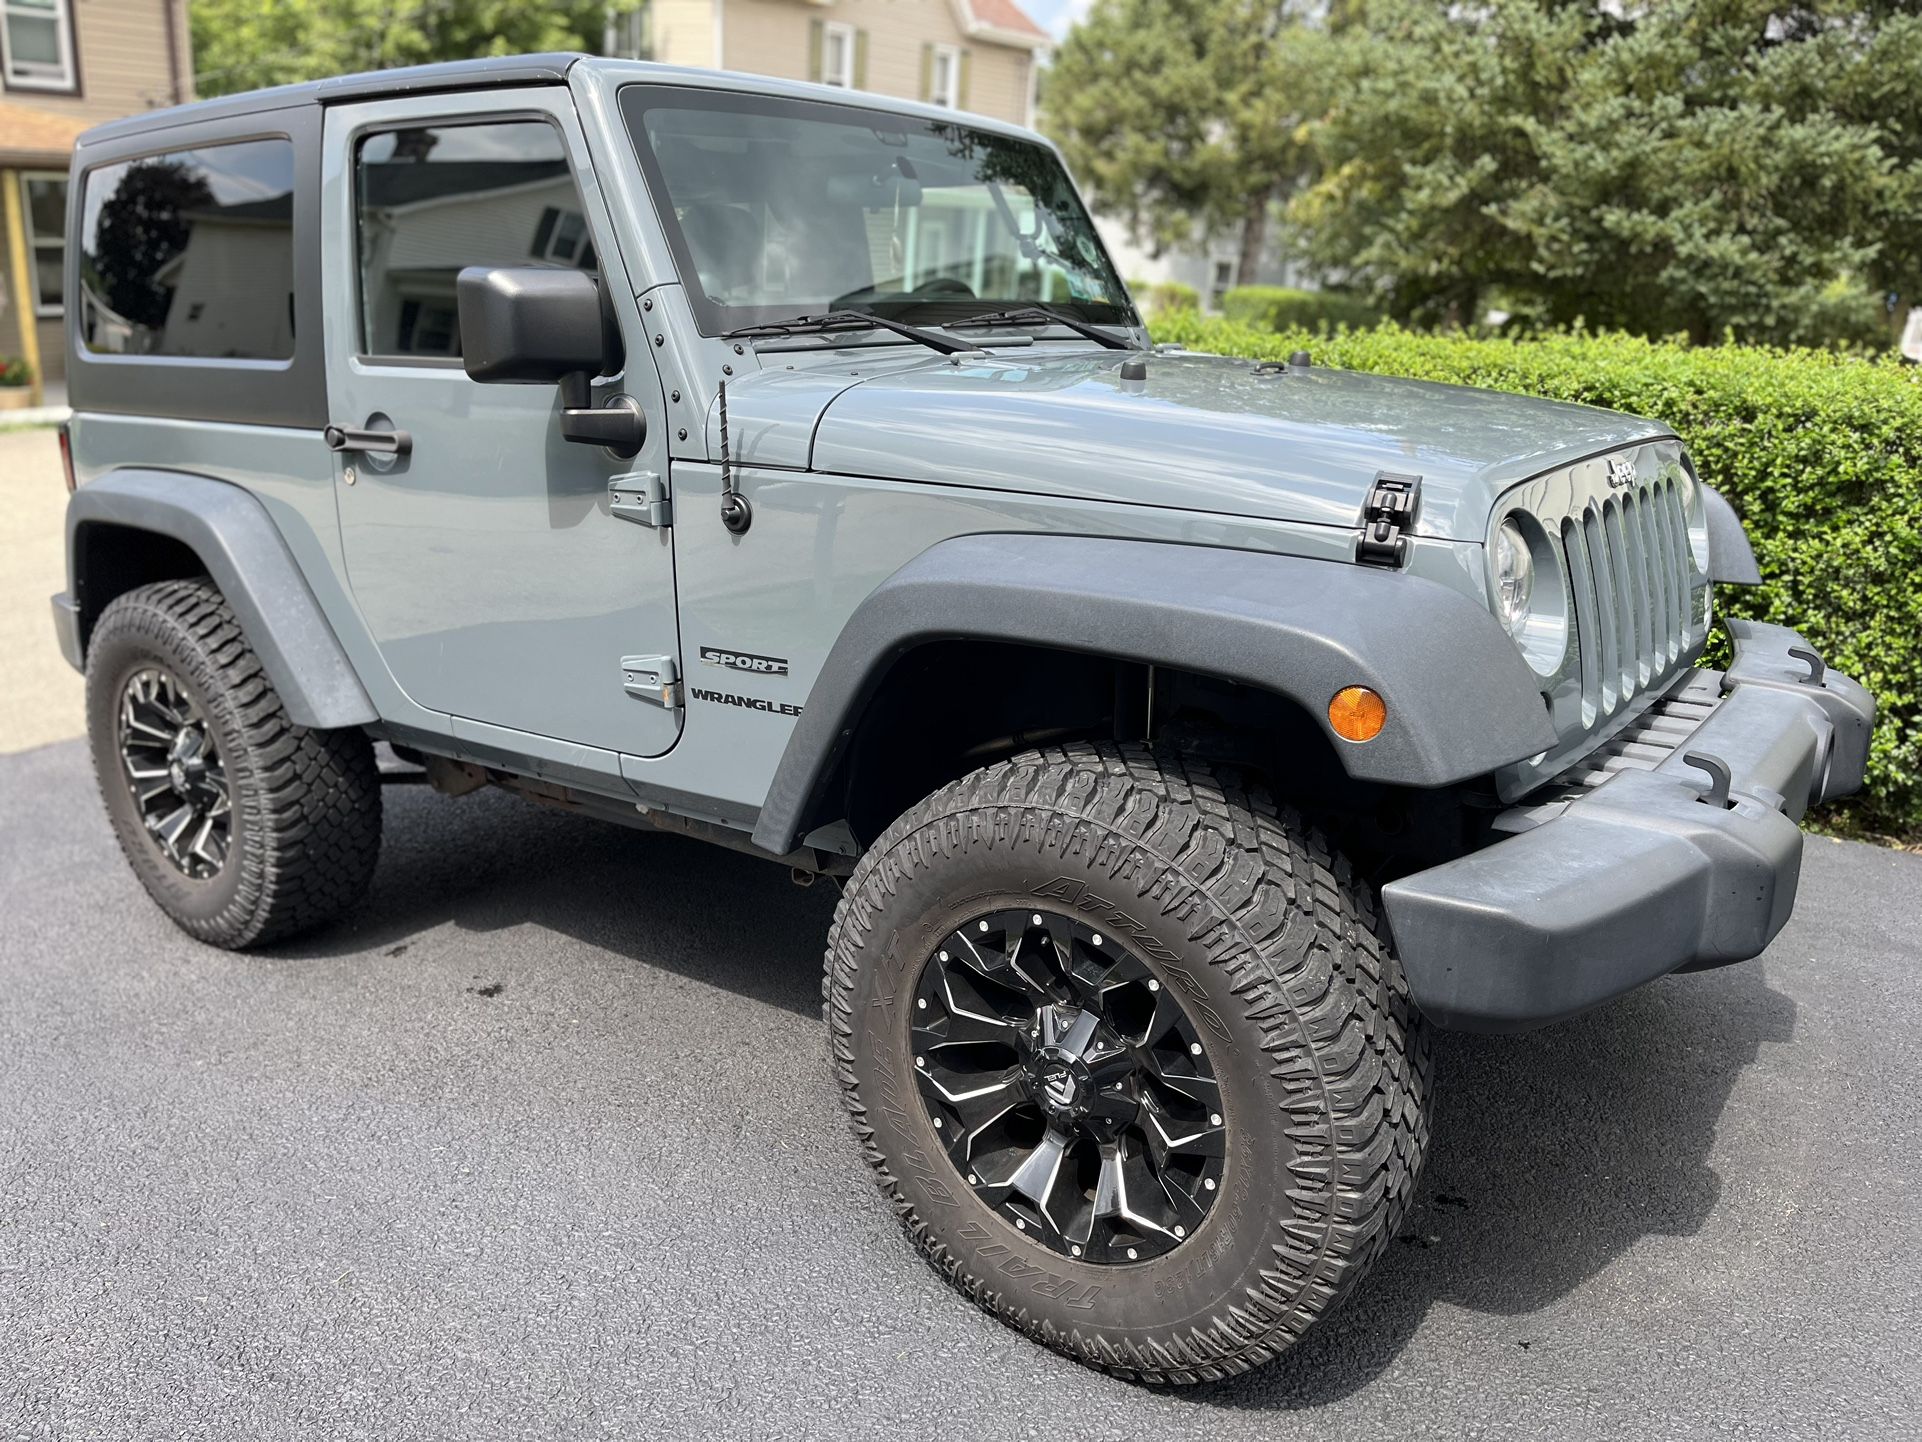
736,514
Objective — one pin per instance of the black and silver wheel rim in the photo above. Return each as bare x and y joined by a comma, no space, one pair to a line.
173,768
1069,1088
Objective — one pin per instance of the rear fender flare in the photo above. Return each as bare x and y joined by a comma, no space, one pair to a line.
229,530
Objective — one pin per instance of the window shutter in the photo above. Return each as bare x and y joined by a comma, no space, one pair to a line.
927,70
860,60
544,232
961,82
817,40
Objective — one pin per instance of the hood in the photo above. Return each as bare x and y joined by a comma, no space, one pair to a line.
1201,433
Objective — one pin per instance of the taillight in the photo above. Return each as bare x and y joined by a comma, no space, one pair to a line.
66,457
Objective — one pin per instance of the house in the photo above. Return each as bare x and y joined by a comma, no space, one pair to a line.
979,55
1206,266
66,65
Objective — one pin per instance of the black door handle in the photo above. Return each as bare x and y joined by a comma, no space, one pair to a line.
372,443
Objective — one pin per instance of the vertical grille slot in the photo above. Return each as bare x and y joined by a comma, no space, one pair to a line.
1581,594
1605,622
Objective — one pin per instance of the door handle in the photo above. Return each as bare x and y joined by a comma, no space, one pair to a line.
372,443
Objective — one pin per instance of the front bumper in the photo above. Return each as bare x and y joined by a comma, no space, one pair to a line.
1602,887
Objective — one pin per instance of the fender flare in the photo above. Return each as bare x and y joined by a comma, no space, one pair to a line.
228,528
1731,559
1461,700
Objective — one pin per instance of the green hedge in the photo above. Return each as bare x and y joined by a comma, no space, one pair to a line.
1161,297
1275,307
1820,454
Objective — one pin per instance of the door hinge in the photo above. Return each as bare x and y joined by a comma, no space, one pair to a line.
653,679
1385,518
641,497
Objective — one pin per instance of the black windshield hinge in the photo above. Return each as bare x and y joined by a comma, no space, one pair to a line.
1385,518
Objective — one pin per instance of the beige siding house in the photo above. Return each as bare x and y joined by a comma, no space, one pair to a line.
66,65
978,55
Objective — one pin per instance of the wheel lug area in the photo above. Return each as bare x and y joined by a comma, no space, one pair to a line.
1077,1099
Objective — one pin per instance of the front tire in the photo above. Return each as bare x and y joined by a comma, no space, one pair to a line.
243,827
1099,885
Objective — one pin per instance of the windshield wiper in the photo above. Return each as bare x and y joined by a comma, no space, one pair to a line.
1045,315
838,320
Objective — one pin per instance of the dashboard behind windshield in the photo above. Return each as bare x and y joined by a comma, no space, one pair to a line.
777,208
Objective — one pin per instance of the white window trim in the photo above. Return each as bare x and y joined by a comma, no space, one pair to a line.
845,32
37,243
68,81
951,54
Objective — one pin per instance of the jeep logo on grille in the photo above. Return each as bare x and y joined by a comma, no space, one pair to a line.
745,661
1621,472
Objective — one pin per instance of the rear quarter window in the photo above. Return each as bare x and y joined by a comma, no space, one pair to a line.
190,253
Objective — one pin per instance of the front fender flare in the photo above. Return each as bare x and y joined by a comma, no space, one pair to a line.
1461,700
1731,559
236,540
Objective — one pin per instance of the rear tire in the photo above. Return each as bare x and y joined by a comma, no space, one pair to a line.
1218,898
244,827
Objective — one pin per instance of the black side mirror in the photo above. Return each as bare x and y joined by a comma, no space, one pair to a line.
529,323
533,325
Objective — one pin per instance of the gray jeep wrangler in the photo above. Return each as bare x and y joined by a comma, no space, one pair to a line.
789,468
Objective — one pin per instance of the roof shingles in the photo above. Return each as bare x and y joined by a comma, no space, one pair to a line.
1005,15
36,136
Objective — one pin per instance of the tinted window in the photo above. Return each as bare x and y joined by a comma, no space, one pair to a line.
434,199
191,253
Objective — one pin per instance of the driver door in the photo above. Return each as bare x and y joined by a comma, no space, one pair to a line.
485,559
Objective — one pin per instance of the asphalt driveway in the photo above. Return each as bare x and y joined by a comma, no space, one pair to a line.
542,1143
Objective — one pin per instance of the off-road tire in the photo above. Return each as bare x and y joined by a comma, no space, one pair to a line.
306,806
1323,1058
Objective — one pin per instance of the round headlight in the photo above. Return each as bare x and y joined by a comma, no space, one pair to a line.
1514,577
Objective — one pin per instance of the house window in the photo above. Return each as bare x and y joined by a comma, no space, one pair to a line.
36,44
561,236
1224,280
837,55
944,81
46,207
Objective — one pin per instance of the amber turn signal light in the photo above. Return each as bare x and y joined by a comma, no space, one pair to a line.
1357,714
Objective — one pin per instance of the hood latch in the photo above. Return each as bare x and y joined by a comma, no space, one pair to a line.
1385,518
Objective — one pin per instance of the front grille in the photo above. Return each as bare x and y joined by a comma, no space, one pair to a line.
1628,572
1632,599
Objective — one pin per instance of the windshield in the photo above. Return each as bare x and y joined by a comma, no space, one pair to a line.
777,208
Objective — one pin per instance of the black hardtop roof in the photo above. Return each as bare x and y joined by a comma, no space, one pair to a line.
371,85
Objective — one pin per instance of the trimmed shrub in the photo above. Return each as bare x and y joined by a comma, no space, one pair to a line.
1820,454
1164,297
1276,307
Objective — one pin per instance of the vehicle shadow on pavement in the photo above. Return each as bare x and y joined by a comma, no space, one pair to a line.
489,861
1553,1153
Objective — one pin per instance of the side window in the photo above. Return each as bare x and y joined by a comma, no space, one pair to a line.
434,199
191,253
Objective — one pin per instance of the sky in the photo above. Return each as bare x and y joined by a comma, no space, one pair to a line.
1055,16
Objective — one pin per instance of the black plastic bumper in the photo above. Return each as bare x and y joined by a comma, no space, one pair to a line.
1651,871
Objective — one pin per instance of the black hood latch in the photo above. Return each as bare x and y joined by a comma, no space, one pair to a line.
1386,517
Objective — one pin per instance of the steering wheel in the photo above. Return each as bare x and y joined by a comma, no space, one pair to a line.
944,285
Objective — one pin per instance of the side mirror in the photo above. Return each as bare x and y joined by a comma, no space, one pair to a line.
529,323
532,325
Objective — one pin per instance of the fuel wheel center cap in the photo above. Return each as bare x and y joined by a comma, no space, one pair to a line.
1070,1090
